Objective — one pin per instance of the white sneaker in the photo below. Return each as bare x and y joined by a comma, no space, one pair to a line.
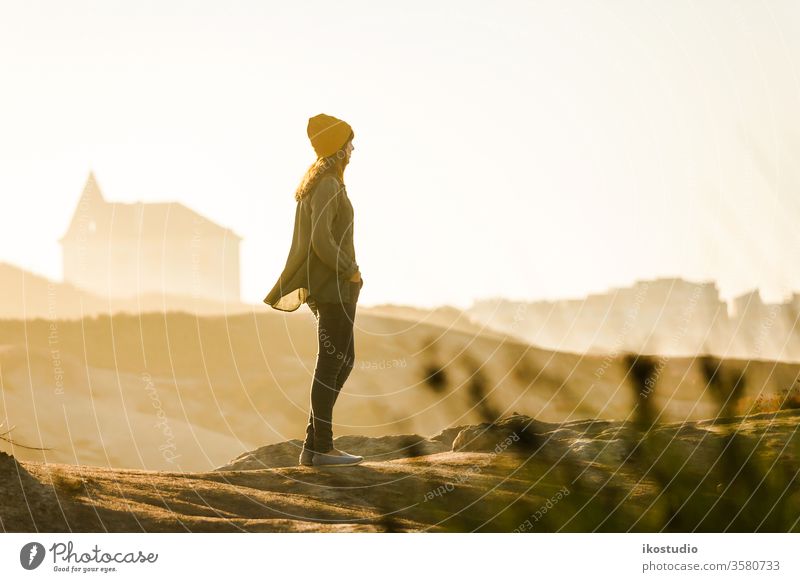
306,457
335,458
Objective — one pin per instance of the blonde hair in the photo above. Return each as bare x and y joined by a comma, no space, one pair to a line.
321,167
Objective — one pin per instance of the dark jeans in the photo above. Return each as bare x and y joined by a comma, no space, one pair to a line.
335,361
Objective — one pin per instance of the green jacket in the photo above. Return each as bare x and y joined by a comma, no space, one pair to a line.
322,257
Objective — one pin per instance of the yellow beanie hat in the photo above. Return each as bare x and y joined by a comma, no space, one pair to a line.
328,134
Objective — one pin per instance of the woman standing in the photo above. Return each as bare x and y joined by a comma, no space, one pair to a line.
321,270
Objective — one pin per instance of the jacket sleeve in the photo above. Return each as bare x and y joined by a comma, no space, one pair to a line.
323,209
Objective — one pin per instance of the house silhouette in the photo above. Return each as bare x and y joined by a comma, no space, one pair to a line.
120,250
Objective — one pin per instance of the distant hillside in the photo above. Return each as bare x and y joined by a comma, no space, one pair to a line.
26,295
182,392
445,316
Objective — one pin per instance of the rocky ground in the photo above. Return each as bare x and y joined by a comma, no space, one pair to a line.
518,474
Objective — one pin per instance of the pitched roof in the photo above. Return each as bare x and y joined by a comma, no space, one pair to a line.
95,216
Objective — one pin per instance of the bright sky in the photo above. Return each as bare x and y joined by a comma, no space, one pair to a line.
524,149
